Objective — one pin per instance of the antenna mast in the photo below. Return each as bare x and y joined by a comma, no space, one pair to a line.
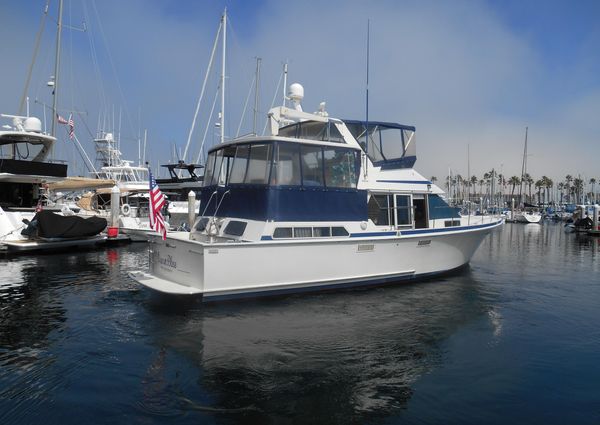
223,77
56,69
367,102
256,88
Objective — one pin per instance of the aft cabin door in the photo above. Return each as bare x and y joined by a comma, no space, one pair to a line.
419,204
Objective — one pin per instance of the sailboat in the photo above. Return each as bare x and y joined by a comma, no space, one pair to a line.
526,213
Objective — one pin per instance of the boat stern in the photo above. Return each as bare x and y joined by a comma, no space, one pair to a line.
176,266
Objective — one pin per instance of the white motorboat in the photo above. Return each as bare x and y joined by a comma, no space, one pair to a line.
528,216
314,206
24,169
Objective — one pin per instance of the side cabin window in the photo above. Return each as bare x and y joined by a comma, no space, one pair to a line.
390,210
286,165
379,209
312,166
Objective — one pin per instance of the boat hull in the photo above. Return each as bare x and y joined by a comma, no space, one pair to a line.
233,270
525,217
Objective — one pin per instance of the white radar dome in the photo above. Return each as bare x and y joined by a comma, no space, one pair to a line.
33,125
296,92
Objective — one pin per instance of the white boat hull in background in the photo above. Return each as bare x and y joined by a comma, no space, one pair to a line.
528,217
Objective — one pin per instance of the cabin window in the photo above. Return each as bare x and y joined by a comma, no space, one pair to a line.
235,228
201,225
309,232
303,232
215,172
339,231
312,166
282,232
258,169
378,209
240,163
286,165
451,223
313,130
208,171
340,168
403,210
321,232
391,142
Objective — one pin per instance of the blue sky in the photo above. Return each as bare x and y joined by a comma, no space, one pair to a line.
463,72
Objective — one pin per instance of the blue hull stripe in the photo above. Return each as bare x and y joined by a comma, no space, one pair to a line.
421,231
406,232
405,181
371,234
329,287
446,229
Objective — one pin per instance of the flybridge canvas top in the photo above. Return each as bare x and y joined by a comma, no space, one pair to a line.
390,145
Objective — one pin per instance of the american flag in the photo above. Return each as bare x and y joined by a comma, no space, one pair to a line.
61,120
71,127
157,202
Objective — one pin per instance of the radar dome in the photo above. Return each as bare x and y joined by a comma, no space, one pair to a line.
33,125
296,92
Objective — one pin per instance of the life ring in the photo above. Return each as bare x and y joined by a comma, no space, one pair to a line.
125,210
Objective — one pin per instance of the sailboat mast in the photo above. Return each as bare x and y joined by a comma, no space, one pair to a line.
56,69
223,77
523,168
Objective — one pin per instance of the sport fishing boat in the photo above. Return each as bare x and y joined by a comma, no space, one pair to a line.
320,203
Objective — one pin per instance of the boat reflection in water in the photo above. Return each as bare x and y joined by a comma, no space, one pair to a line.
318,359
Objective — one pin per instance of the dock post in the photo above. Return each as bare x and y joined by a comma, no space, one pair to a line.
114,206
512,210
191,208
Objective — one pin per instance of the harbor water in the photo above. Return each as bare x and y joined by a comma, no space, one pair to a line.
513,338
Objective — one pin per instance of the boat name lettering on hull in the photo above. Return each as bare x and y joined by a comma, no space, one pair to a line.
167,261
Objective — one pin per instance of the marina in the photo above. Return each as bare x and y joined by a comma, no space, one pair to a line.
238,226
83,342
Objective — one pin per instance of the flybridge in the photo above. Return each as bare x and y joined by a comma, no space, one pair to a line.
388,145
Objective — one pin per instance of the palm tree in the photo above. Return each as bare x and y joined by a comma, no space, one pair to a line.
474,181
593,183
568,181
528,180
578,188
548,184
561,187
514,181
538,185
459,181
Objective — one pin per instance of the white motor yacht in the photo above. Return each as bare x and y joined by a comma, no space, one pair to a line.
320,203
